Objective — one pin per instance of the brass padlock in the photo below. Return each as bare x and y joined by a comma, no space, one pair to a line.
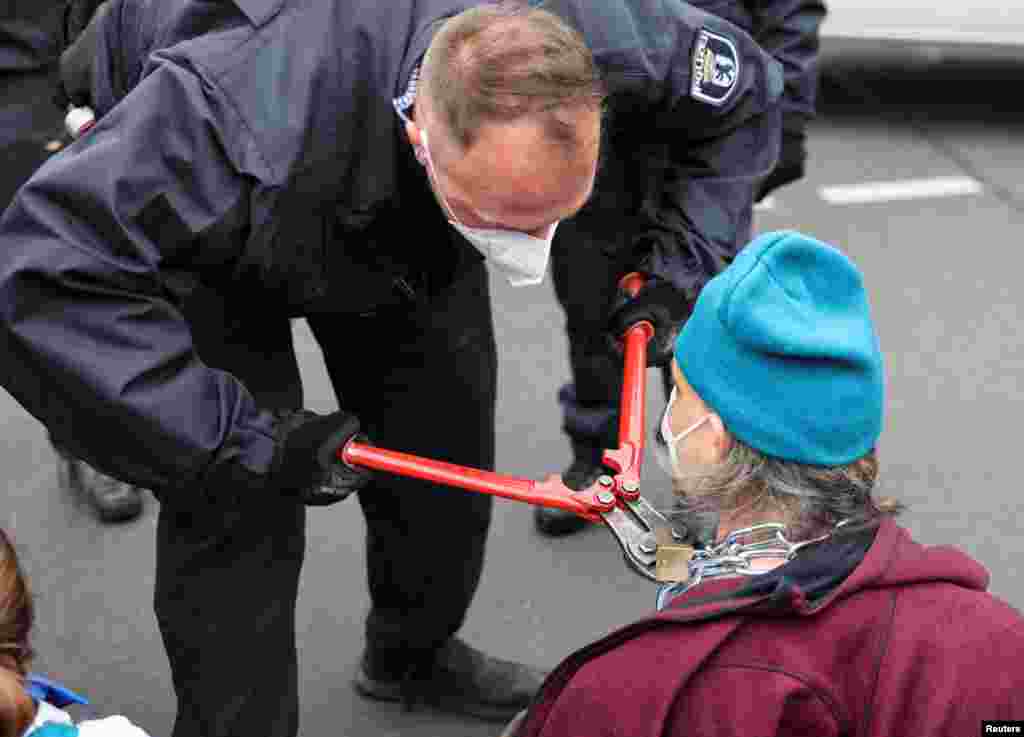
673,563
672,560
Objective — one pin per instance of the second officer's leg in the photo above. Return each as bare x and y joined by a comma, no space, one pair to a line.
590,253
426,385
213,541
586,262
22,151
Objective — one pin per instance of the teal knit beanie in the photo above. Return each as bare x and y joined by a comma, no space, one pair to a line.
781,345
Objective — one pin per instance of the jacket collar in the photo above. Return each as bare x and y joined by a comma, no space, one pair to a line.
259,11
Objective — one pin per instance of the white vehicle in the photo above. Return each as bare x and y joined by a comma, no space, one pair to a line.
991,23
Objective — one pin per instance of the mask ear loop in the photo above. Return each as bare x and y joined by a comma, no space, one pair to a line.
673,440
666,431
428,162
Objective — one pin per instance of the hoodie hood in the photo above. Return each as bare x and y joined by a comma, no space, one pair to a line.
894,559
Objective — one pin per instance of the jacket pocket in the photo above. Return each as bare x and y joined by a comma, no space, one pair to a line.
363,275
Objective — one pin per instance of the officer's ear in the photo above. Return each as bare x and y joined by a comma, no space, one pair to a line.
413,132
415,135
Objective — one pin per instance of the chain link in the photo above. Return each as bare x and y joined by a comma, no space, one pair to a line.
734,554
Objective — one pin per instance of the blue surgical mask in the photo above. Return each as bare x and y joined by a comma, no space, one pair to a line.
521,258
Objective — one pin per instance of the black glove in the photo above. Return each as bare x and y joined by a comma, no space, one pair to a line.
306,463
662,304
792,157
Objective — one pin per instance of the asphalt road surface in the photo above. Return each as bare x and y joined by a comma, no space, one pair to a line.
914,171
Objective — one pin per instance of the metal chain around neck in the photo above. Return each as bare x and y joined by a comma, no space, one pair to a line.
734,554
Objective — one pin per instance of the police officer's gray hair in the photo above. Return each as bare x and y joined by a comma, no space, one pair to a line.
506,60
810,499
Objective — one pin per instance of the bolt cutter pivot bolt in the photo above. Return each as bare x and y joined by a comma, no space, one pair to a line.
605,497
648,544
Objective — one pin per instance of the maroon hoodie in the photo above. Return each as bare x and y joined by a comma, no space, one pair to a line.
909,643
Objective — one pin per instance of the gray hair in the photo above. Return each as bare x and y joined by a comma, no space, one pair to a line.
809,499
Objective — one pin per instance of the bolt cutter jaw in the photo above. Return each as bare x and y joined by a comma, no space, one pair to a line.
640,530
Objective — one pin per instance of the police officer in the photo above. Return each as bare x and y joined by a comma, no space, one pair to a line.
643,179
28,46
789,31
360,166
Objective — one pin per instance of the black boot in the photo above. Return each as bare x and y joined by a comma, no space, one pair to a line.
583,472
110,499
458,678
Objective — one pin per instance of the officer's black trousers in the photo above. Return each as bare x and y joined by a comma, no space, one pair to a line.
589,255
228,568
585,266
586,280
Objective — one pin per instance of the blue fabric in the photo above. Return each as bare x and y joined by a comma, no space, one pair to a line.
53,729
781,345
667,592
45,689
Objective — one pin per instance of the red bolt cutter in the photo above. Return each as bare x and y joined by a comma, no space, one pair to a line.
614,500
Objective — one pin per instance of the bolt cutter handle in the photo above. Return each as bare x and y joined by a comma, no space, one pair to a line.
550,492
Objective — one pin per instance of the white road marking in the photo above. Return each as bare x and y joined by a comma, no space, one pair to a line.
909,189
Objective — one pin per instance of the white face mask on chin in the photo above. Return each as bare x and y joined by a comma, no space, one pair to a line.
521,258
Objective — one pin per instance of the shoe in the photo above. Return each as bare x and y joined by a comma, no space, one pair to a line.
459,679
112,500
555,522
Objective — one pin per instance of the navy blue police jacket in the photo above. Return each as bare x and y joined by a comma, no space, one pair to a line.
255,143
788,30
